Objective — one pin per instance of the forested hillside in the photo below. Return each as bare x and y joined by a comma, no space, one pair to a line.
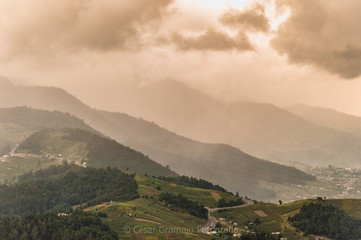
193,182
75,225
327,220
61,187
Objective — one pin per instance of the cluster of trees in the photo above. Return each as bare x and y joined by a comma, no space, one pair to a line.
52,171
179,201
77,225
193,182
249,236
73,187
223,203
258,236
327,220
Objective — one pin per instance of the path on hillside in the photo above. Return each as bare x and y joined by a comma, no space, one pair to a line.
211,223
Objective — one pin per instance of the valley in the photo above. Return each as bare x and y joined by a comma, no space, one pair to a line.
239,197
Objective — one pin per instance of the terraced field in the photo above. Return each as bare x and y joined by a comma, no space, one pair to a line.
275,218
147,218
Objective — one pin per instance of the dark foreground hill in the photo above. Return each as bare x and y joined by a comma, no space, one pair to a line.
75,225
60,188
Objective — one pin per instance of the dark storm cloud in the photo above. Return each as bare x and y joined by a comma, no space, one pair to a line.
39,26
251,19
325,34
212,40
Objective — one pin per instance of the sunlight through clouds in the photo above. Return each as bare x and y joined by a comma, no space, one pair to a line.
215,5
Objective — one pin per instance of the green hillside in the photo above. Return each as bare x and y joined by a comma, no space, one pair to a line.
148,212
119,199
74,225
19,122
59,188
326,220
83,147
274,217
16,124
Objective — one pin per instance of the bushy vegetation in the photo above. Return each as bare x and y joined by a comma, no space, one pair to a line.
4,147
249,236
179,201
43,191
327,220
223,203
77,225
193,182
258,236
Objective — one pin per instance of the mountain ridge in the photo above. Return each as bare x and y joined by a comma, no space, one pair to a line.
171,149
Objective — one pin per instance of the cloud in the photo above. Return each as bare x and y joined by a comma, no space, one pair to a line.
241,22
252,18
322,33
212,40
43,26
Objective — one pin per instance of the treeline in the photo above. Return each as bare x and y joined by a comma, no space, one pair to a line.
179,201
223,203
52,171
250,236
44,192
77,225
193,182
327,221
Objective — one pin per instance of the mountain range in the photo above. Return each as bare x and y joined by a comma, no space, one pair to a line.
318,137
220,163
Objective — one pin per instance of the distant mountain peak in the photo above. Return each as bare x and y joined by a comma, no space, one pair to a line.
4,82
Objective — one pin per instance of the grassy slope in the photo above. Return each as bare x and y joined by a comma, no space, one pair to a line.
147,186
156,212
17,166
277,215
78,145
16,124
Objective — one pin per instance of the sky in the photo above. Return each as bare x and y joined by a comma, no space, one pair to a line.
278,51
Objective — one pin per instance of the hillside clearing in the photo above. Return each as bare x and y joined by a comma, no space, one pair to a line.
261,213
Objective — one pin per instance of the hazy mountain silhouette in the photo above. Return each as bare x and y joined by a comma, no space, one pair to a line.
328,117
219,163
263,130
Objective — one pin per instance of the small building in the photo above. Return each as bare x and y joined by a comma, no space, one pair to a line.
63,214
